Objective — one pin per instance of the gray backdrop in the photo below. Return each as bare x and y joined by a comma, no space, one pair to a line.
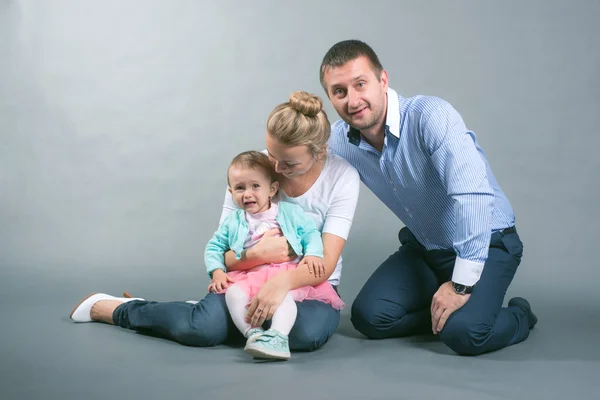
118,120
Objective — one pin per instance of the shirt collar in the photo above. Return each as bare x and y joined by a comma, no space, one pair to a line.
392,119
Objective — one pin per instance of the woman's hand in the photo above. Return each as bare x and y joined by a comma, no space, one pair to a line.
268,299
220,281
272,248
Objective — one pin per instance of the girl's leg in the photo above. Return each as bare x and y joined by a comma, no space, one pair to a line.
274,343
284,318
237,300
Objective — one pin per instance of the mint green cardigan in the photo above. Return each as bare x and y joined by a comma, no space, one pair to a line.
298,228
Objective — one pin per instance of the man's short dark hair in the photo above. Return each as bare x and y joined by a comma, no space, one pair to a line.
345,51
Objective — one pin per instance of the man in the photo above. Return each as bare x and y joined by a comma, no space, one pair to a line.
459,247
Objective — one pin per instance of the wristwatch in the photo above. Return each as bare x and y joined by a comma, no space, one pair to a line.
462,289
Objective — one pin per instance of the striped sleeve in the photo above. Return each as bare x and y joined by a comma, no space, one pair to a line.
463,173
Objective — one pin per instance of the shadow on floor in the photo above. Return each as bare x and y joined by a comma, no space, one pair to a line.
561,336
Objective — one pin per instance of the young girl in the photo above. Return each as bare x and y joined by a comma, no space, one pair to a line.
253,184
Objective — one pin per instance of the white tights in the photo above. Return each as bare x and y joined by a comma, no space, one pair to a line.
283,319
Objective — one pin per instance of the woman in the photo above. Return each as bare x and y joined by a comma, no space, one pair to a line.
324,185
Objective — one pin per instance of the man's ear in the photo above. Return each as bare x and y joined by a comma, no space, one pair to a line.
384,78
229,189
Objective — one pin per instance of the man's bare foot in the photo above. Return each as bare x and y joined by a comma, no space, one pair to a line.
103,310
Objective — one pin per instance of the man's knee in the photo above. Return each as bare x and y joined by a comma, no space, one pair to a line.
465,335
370,318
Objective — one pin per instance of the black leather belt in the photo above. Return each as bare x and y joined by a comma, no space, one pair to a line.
507,231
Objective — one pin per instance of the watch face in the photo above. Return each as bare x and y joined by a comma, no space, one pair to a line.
458,288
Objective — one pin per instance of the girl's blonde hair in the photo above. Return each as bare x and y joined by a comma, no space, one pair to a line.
301,121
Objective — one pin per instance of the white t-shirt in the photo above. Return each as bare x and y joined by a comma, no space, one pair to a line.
331,201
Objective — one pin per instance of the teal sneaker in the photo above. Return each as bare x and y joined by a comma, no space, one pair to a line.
254,334
271,345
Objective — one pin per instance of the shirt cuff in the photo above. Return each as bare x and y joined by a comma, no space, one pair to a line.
466,272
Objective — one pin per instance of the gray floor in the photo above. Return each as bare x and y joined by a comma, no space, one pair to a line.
44,355
117,120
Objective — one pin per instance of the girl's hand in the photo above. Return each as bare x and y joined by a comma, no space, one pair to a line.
316,265
220,281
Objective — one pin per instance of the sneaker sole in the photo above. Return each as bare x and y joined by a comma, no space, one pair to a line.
267,355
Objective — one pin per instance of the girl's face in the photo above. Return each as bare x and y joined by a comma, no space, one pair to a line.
288,161
251,189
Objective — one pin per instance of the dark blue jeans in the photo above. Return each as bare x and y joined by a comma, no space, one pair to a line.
395,301
208,323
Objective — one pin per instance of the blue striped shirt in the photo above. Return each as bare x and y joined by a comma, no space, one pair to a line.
434,176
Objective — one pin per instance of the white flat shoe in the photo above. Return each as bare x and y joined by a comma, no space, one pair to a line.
81,312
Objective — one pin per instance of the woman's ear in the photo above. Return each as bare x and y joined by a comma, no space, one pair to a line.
321,155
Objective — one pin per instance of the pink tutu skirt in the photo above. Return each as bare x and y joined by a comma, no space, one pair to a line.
252,280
